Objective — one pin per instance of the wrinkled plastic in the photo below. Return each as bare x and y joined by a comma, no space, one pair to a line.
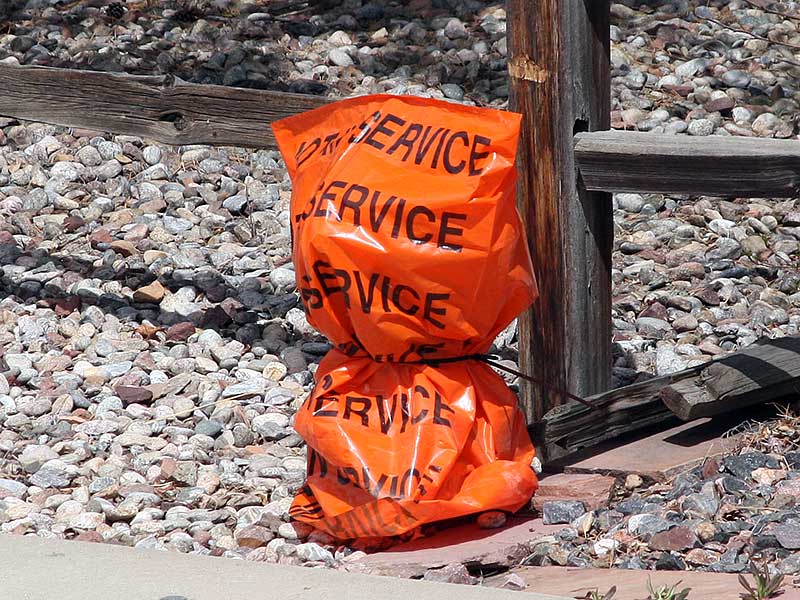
408,249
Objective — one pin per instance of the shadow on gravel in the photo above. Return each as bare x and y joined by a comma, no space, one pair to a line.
222,43
55,281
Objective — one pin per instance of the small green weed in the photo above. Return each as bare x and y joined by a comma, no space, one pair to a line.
667,592
766,586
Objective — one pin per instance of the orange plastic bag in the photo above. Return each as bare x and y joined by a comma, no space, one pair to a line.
408,250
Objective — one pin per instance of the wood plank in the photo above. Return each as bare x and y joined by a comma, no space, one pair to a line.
628,161
764,371
161,108
573,426
559,69
758,374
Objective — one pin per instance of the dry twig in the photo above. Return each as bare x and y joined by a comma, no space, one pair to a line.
750,33
772,11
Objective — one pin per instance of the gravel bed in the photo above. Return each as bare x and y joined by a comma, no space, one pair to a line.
719,517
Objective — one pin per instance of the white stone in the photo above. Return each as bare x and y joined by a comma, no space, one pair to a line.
603,547
33,457
310,551
340,58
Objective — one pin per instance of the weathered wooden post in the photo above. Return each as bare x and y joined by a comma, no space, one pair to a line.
559,70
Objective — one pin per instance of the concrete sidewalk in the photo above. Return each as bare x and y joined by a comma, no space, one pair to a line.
36,569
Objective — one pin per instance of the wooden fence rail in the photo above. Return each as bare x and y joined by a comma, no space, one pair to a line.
161,108
171,111
627,161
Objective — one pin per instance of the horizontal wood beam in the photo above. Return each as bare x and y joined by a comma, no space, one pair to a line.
573,426
629,161
765,371
161,108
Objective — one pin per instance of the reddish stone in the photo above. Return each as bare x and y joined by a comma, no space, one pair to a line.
627,302
56,339
705,531
790,487
147,331
145,362
80,132
688,271
82,413
71,224
656,310
123,247
152,293
710,347
22,528
593,490
681,90
654,255
168,466
136,488
47,383
701,556
202,538
67,306
710,468
173,386
153,206
677,538
715,547
231,306
254,451
100,236
254,536
707,296
134,378
39,498
720,104
89,536
133,395
136,233
180,332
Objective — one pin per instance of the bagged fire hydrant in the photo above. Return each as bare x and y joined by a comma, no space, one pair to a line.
410,257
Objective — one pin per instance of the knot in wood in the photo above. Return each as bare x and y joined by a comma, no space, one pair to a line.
178,119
